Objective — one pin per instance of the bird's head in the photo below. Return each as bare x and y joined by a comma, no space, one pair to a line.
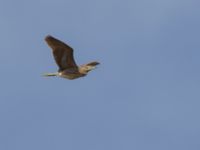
88,67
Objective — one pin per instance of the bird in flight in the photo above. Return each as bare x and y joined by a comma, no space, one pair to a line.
63,55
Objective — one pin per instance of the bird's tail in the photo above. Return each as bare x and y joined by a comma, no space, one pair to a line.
50,74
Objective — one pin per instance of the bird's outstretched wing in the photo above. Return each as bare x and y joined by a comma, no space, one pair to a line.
63,54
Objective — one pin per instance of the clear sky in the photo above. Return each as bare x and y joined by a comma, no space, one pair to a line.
145,95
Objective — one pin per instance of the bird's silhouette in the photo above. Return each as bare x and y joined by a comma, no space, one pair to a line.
63,55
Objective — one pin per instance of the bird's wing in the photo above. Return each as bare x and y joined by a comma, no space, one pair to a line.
63,54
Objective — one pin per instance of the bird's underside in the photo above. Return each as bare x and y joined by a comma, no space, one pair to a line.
63,55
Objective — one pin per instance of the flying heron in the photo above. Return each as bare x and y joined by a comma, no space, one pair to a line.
63,55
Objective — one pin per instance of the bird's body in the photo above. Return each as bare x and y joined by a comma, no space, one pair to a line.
72,73
63,55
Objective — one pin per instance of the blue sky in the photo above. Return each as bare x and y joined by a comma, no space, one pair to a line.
144,95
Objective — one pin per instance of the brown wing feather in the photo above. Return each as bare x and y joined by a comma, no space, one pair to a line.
63,54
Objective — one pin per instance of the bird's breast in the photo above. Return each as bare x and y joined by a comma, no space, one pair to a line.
70,74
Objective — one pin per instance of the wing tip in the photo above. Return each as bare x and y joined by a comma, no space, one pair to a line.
49,37
52,41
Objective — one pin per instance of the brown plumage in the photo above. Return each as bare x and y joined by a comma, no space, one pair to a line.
63,55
